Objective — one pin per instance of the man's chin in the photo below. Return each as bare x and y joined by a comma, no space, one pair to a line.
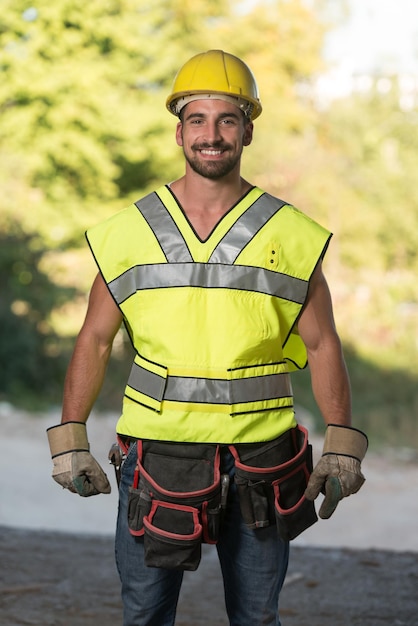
214,170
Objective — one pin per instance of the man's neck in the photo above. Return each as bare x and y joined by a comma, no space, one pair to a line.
206,201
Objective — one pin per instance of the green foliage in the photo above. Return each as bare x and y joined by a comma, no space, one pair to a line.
374,141
30,350
385,401
82,94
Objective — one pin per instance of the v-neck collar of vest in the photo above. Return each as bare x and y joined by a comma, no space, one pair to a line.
173,205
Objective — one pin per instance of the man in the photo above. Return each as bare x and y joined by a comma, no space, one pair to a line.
221,289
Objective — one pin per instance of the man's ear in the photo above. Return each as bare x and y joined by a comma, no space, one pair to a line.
179,134
248,134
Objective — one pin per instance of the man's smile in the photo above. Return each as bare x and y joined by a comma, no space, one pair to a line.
211,152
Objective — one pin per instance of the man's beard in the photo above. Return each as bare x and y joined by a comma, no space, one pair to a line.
214,170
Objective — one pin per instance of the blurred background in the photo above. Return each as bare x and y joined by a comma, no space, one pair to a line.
84,132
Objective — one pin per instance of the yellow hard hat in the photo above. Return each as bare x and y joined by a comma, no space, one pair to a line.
215,74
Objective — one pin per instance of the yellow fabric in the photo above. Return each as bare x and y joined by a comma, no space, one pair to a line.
188,424
210,333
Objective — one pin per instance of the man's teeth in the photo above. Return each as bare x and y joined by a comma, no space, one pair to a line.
211,152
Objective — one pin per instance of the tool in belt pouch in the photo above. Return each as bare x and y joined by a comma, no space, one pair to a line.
175,502
271,479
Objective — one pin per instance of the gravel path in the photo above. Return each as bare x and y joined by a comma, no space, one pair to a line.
58,579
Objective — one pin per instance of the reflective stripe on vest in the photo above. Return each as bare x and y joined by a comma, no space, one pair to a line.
245,229
234,391
243,277
161,222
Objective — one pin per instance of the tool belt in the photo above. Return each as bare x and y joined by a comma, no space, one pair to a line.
177,496
175,501
271,479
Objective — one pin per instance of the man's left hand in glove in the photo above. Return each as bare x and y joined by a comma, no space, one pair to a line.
74,467
338,472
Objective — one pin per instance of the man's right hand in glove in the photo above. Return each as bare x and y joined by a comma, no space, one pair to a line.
74,467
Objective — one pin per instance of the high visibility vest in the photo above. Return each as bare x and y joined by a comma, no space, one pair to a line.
213,322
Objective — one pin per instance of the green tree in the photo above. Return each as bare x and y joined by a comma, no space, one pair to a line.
378,135
30,350
82,94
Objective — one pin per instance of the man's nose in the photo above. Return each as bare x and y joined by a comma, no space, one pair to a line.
212,132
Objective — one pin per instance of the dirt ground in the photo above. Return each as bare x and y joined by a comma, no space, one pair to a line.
59,579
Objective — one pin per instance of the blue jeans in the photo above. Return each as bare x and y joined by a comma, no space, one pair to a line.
253,565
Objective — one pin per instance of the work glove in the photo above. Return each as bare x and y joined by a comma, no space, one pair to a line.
338,471
74,467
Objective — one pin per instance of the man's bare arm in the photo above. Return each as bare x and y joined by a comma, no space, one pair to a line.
338,471
330,381
91,354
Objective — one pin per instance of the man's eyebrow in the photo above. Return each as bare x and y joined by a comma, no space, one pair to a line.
229,114
220,116
193,115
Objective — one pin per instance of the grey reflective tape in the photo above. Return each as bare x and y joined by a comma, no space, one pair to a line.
209,276
261,388
245,228
164,228
198,390
219,391
147,382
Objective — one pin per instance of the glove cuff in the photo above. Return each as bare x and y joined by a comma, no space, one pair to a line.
346,441
68,437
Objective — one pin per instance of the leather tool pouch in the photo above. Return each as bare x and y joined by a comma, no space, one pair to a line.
271,479
175,502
